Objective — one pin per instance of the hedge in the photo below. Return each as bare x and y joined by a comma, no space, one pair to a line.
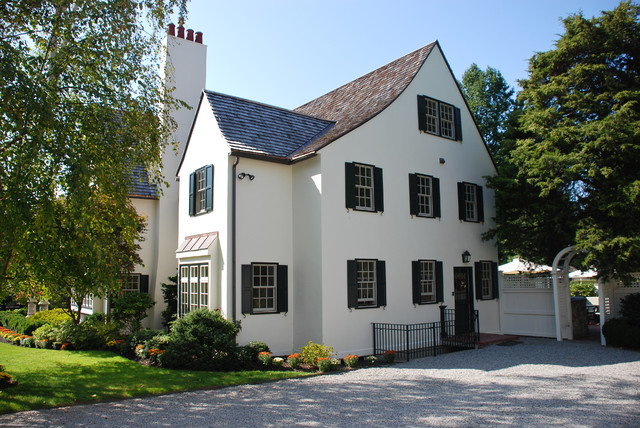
18,323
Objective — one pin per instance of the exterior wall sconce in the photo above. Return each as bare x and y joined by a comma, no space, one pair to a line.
242,175
466,257
442,161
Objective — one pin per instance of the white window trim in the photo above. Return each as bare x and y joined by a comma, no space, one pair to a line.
447,124
273,277
424,196
128,288
194,295
470,202
487,280
363,188
424,295
201,190
370,284
432,120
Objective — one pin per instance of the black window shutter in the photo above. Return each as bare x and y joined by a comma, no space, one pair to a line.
350,184
352,284
480,203
494,279
192,196
422,114
381,280
377,189
144,284
413,194
283,297
458,123
439,282
461,204
209,188
415,281
435,191
478,274
247,289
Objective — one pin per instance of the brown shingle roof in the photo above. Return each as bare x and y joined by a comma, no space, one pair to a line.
355,103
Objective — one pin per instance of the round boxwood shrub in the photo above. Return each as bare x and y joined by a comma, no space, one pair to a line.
201,340
248,354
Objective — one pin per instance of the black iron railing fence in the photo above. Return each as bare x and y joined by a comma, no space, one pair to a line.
427,339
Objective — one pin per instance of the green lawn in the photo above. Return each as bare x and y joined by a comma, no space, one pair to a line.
49,378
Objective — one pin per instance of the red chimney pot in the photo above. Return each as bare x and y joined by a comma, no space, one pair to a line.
172,29
181,31
190,35
199,37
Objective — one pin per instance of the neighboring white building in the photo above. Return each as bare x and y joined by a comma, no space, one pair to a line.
309,225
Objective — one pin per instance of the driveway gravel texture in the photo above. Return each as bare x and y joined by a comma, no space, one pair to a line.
530,382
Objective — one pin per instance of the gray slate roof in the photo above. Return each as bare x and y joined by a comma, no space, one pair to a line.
263,130
140,186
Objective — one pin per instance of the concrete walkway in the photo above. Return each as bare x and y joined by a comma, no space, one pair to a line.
528,382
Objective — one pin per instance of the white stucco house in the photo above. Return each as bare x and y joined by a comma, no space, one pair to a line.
311,224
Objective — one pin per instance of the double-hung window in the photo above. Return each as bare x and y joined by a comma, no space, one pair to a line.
486,280
439,118
470,202
427,281
424,195
201,190
136,283
366,283
363,187
193,292
264,288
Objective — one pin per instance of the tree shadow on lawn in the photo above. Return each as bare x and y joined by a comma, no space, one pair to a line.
111,377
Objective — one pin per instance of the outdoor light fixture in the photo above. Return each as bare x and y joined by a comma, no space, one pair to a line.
242,175
442,161
466,257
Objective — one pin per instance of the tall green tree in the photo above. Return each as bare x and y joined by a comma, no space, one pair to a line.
490,99
82,100
580,146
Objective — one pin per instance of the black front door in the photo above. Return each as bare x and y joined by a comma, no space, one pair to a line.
463,291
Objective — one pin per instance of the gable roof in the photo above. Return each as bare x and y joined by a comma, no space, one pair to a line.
355,103
262,130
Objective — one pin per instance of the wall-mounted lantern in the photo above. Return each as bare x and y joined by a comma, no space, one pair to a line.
466,257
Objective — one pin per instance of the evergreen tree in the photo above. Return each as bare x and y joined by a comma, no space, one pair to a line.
578,151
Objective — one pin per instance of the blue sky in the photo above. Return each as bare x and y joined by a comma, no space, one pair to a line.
288,52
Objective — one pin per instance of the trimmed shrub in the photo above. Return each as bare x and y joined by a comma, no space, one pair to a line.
202,340
630,308
19,323
130,309
620,333
52,316
248,354
313,351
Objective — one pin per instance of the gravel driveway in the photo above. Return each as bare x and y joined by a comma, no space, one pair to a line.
534,382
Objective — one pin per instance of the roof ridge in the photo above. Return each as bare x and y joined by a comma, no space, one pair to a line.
428,46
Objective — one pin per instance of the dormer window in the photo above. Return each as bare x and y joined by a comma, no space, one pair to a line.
439,118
